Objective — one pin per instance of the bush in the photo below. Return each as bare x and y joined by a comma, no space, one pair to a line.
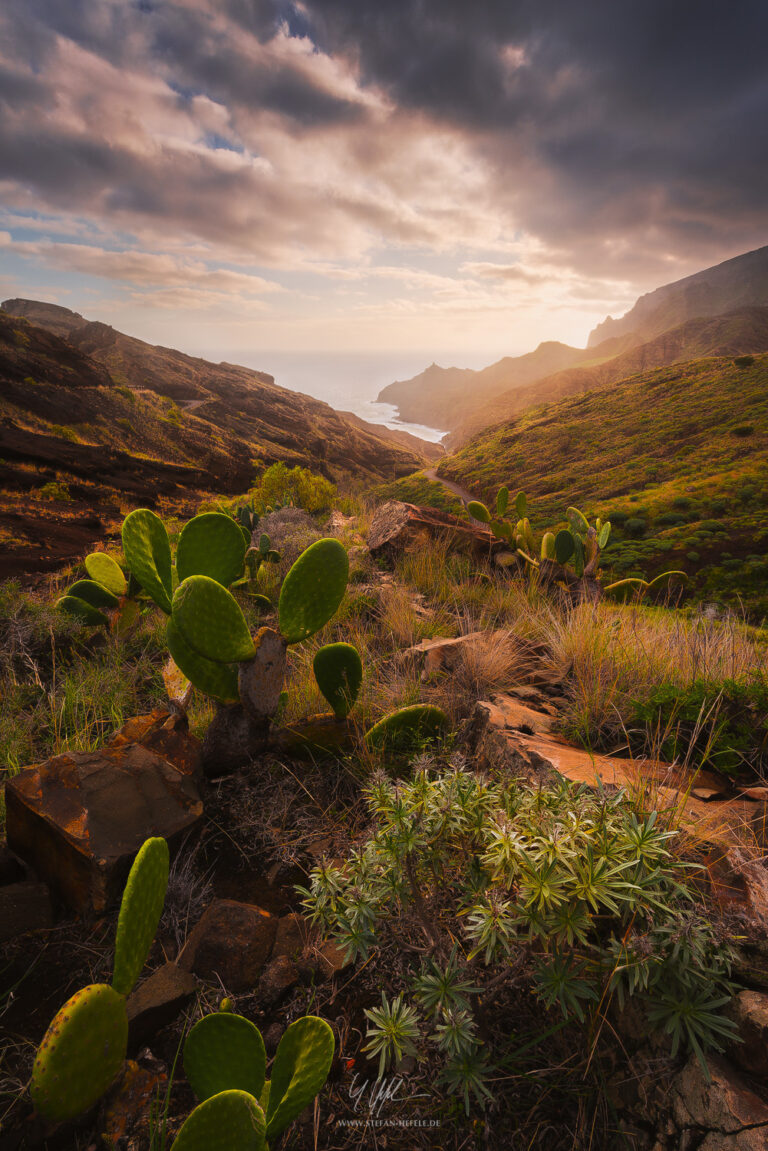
55,490
575,895
744,361
296,486
743,430
635,527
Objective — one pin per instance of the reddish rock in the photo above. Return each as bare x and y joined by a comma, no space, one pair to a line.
167,734
749,1011
723,1110
739,881
324,961
277,978
157,1002
24,907
232,942
291,936
79,819
397,527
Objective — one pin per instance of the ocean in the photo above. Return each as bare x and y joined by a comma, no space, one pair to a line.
348,382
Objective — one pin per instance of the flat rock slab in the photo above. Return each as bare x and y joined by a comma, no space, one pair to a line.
231,942
80,818
157,1002
435,655
398,526
509,736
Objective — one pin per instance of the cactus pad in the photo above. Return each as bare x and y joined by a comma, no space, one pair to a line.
260,680
107,572
603,534
313,589
94,594
502,501
339,674
222,1052
210,620
548,546
81,610
408,725
479,511
229,1121
211,544
81,1054
219,680
300,1069
140,913
564,546
148,554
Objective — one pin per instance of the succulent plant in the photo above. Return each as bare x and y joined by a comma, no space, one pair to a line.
406,726
210,620
106,571
212,545
313,589
256,556
224,1056
229,1121
147,551
339,673
85,1045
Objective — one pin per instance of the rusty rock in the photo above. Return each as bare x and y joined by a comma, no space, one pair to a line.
157,1002
290,936
233,942
749,1011
79,819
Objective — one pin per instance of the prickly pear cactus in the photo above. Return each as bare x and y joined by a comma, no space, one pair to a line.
219,680
521,504
107,572
548,546
479,511
210,620
229,1121
339,673
300,1069
564,546
260,680
140,912
603,534
148,554
313,589
94,594
81,1054
502,501
404,727
224,1051
83,611
211,544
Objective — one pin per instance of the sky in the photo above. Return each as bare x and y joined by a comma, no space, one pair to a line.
435,177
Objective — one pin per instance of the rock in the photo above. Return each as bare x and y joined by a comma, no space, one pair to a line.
315,734
231,942
739,881
157,1002
397,527
79,818
330,960
278,977
12,870
749,1011
435,655
165,733
24,907
290,937
272,1037
725,1111
501,739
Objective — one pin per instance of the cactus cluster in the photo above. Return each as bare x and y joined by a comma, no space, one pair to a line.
572,556
85,1046
225,1063
101,600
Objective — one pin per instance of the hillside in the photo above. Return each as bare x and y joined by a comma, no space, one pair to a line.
736,283
742,331
87,423
677,459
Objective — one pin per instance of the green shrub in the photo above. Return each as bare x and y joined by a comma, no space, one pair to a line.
573,894
744,361
55,490
300,487
743,430
635,527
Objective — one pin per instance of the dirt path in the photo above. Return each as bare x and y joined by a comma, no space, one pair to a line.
190,405
456,489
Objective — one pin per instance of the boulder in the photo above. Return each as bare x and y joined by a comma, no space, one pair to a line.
277,978
397,527
157,1002
291,936
231,942
749,1011
79,819
722,1114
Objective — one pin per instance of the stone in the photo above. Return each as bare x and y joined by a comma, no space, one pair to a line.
330,960
80,818
277,978
739,882
398,527
749,1011
24,907
231,942
166,733
12,870
272,1037
290,937
504,738
157,1002
436,655
725,1110
315,735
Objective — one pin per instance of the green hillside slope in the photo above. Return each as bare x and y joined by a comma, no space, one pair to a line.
676,458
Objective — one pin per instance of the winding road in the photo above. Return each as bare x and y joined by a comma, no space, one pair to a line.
455,489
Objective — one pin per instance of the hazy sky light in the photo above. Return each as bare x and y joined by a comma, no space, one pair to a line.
342,175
